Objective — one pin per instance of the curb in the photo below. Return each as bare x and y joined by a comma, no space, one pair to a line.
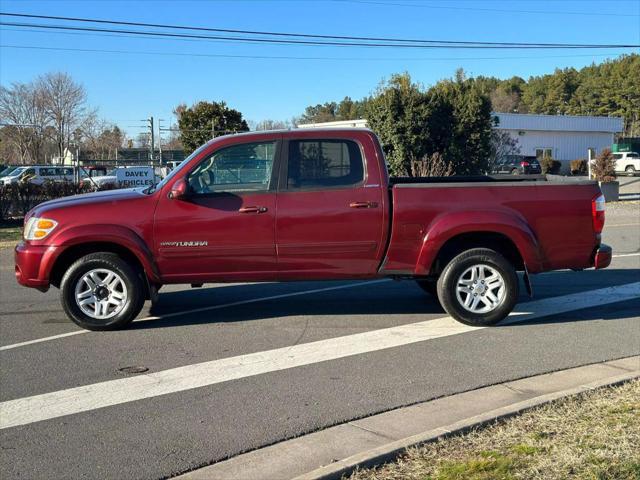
336,451
391,451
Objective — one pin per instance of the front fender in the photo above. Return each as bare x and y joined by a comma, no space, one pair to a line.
449,225
106,233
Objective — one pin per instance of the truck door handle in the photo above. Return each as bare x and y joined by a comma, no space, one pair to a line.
363,204
253,209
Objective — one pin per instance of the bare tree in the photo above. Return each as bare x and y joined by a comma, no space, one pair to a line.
431,166
502,144
504,101
271,125
101,138
23,113
143,140
65,106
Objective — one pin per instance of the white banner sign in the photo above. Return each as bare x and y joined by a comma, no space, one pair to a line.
135,177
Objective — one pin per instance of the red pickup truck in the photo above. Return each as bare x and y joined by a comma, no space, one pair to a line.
308,205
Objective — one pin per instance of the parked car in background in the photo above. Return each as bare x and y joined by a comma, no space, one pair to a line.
100,181
313,204
12,176
38,174
94,171
6,170
627,162
517,165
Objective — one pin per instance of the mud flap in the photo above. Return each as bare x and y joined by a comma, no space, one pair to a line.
527,282
153,289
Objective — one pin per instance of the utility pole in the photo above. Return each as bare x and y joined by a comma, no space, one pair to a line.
152,144
213,128
160,120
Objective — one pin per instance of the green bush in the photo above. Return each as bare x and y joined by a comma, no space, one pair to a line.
578,167
549,165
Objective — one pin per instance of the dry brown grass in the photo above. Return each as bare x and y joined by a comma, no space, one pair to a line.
591,436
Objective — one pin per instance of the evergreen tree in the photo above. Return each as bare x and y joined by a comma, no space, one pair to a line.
204,120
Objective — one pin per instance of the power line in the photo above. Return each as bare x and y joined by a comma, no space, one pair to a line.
483,9
335,40
254,32
287,57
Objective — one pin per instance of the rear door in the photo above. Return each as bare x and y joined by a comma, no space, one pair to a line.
330,220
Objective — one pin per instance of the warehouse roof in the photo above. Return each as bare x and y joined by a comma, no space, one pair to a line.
565,123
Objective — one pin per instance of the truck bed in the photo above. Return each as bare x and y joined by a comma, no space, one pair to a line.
554,212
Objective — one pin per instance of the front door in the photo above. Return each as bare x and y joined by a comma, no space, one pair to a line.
330,222
223,230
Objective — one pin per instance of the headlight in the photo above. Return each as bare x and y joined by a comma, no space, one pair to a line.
38,228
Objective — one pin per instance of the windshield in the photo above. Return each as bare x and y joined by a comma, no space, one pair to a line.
17,172
6,171
173,172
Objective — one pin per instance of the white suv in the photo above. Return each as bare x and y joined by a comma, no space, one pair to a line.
38,174
627,162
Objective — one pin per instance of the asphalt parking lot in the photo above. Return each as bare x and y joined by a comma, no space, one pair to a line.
230,368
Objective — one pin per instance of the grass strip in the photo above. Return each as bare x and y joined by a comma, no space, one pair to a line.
592,436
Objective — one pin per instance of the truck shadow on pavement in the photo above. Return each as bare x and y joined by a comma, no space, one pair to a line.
376,299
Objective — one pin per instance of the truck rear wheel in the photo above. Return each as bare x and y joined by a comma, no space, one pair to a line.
100,291
478,287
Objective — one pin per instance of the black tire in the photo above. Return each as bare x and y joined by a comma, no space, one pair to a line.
630,170
448,281
108,261
515,171
429,285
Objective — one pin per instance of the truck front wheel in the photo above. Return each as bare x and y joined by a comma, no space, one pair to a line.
478,287
100,291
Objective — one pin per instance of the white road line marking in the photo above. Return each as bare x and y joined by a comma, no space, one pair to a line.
23,411
203,309
45,339
626,255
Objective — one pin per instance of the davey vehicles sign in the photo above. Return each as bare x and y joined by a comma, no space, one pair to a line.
129,177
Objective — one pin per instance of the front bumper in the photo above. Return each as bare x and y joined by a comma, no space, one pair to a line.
602,257
32,265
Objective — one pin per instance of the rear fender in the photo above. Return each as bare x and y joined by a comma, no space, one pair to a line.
448,226
106,233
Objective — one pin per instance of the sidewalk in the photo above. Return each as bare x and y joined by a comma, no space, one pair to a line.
338,450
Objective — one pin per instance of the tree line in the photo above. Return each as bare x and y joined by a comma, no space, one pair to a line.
444,129
448,128
610,88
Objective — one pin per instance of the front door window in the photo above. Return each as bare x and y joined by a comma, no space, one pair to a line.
241,168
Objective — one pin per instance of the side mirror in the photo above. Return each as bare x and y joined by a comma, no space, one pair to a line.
178,190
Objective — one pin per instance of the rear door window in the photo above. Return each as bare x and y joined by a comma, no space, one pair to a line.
317,164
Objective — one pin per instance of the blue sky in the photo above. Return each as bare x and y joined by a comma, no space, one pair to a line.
127,87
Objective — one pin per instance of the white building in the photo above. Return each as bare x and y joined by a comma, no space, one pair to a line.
564,137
